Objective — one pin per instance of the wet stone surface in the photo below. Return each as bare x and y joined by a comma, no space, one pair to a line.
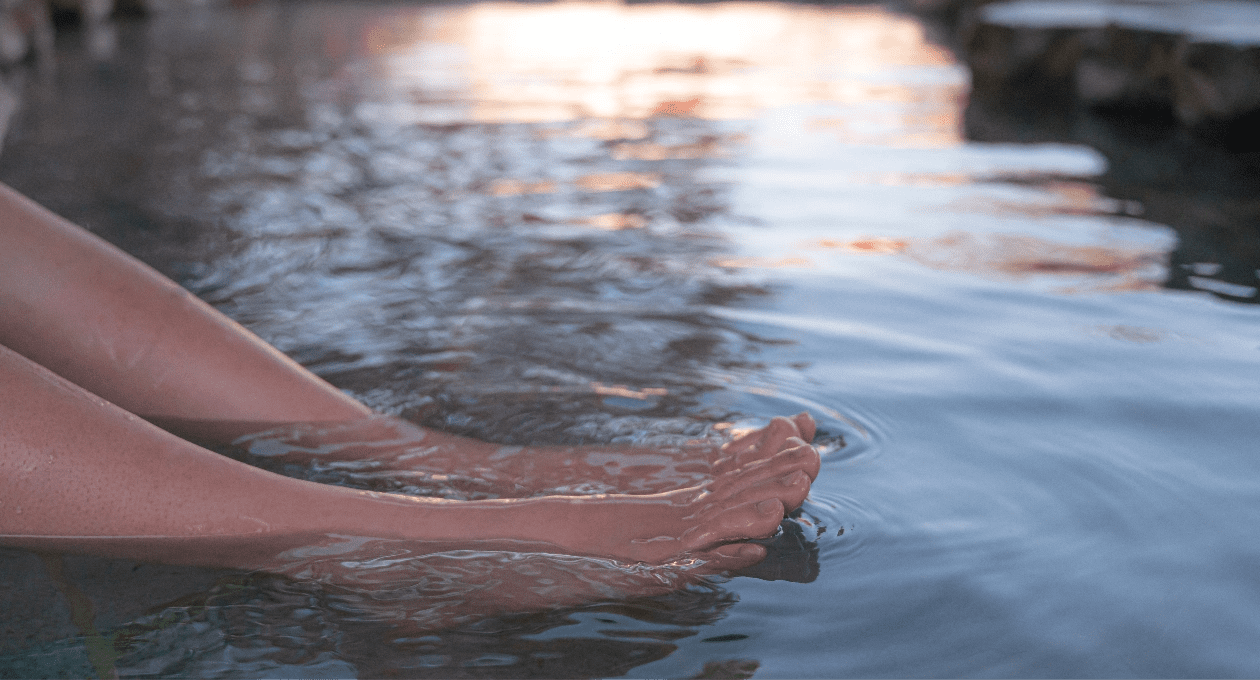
1169,92
1195,63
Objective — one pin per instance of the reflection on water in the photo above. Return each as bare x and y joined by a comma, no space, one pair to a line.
649,224
261,625
1205,193
508,62
1008,254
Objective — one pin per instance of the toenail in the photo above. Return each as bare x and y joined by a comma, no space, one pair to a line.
791,478
767,507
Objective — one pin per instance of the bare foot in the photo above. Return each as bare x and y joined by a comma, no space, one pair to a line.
739,491
740,504
397,453
656,542
766,441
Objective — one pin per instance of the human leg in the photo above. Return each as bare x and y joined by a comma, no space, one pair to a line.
92,477
79,474
397,452
110,324
98,317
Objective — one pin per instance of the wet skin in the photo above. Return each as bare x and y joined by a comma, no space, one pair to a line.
395,449
90,338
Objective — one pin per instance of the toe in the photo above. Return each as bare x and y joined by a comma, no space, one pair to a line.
748,520
805,457
732,557
794,489
790,489
805,423
755,473
797,456
771,441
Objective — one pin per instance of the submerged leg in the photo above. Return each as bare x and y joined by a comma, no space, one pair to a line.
79,474
395,451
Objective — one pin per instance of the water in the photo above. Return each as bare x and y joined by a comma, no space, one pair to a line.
594,222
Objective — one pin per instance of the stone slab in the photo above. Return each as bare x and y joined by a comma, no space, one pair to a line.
1197,63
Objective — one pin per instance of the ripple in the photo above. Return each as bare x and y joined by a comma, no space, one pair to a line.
261,625
843,525
846,432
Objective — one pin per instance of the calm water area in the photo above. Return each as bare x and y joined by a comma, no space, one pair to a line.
585,222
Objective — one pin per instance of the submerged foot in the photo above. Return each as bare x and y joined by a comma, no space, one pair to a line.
633,505
392,451
701,522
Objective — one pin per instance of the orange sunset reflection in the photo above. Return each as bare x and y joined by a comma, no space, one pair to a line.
1133,268
570,61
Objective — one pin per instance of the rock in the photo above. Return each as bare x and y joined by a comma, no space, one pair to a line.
25,28
1214,81
1197,63
80,12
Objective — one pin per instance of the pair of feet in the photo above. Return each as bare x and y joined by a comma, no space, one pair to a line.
697,502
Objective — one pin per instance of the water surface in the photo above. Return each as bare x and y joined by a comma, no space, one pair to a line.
595,222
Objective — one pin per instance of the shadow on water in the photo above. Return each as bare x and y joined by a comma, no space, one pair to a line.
409,619
250,625
1160,172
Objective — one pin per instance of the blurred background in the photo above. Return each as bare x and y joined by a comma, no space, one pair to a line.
1007,253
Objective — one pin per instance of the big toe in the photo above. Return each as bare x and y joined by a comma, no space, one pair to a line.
789,488
805,423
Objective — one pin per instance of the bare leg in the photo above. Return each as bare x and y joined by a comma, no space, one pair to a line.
391,449
110,324
79,474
